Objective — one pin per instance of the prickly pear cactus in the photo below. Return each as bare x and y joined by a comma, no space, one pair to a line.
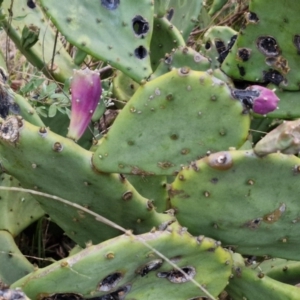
184,15
181,108
13,264
220,186
18,209
71,164
215,44
283,270
95,34
125,266
249,284
182,56
166,38
267,50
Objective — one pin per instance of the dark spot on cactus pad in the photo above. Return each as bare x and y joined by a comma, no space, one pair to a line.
279,63
62,296
140,26
224,54
252,17
214,180
220,46
253,224
241,70
268,46
31,4
296,42
176,276
110,4
3,75
273,76
109,282
140,52
170,14
119,294
207,45
245,96
6,103
244,54
150,266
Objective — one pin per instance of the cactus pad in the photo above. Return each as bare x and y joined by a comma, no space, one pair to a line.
38,152
125,264
171,121
13,264
267,50
251,285
95,34
247,202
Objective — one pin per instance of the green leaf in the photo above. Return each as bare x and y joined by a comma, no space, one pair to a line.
52,110
40,111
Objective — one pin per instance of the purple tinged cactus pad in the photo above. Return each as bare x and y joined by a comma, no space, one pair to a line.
86,92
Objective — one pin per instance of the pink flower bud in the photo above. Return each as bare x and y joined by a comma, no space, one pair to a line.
265,102
86,91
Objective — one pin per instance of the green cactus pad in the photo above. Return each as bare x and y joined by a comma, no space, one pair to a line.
247,202
92,26
40,54
171,121
49,163
27,111
286,271
215,41
184,15
165,38
182,56
216,6
123,88
13,264
252,285
126,263
18,209
288,107
152,187
267,50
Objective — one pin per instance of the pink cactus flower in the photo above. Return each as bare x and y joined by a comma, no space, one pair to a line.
86,91
265,102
